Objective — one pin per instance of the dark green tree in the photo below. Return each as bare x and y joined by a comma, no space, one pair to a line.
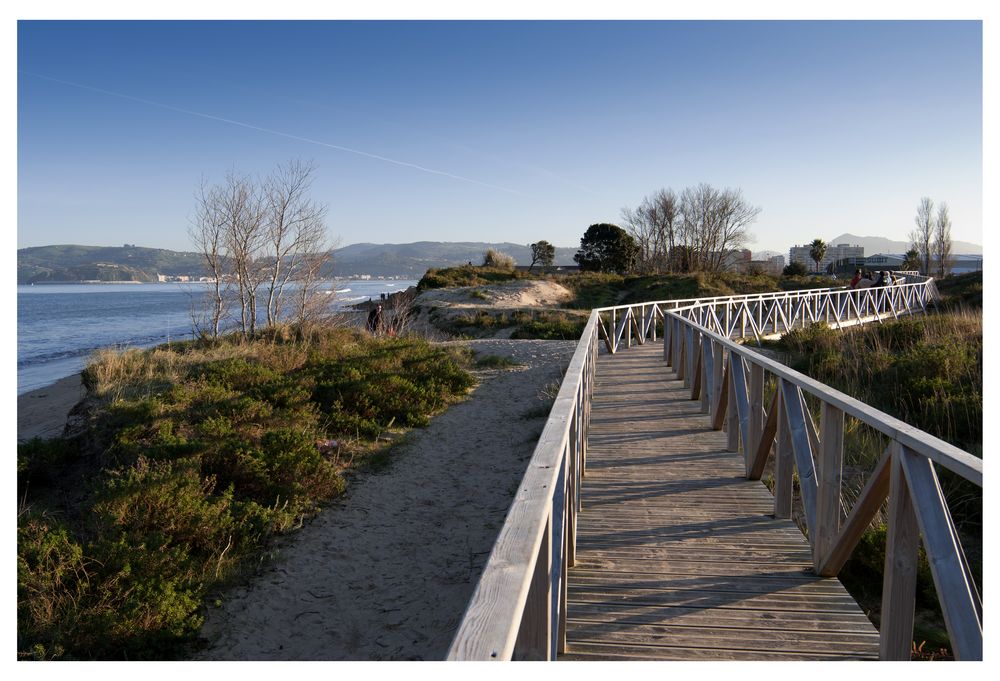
911,260
795,269
542,252
817,249
606,248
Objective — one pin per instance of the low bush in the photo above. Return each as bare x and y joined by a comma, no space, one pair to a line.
467,275
497,259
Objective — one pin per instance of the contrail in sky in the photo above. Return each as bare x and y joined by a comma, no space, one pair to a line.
307,140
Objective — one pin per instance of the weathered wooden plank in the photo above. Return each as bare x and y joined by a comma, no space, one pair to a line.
722,617
587,651
597,651
676,547
784,640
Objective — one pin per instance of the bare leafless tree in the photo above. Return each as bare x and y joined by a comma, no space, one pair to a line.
242,211
208,234
713,224
921,237
653,226
295,230
942,240
263,235
312,303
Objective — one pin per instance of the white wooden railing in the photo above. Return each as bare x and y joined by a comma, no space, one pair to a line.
518,610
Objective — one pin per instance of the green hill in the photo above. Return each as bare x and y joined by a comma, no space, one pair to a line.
68,263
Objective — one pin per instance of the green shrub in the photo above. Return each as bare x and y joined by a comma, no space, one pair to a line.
467,275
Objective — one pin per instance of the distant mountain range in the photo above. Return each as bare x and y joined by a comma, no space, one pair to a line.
69,263
877,244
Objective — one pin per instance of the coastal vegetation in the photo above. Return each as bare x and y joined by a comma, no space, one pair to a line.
194,457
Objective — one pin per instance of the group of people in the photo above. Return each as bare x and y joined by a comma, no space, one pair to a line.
866,279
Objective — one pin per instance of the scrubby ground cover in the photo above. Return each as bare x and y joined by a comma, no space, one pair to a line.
525,324
194,456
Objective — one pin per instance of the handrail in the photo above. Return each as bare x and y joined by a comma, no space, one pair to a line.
520,597
518,609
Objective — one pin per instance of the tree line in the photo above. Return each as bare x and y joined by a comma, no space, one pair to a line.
668,232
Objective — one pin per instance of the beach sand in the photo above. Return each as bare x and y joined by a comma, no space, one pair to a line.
386,572
43,412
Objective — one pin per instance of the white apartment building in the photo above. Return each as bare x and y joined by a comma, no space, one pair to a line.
834,252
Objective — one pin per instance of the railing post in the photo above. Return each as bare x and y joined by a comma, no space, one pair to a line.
667,336
717,367
534,638
783,461
689,350
831,464
707,374
614,330
756,399
732,409
900,580
677,347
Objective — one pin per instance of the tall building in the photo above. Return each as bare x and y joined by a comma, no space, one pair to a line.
834,252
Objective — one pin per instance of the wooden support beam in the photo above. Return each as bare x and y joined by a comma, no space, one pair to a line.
795,421
696,361
755,415
810,427
720,410
900,580
860,517
831,471
707,374
534,637
783,460
718,365
738,381
957,596
762,447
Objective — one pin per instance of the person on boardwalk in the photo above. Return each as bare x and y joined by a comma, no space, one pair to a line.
856,279
375,320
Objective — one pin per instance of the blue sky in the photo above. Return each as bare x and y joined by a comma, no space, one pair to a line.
520,130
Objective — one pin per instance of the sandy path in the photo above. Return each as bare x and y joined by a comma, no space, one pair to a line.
43,412
386,573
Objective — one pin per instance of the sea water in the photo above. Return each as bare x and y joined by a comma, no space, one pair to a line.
59,326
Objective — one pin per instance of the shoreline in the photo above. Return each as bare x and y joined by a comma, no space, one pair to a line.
43,412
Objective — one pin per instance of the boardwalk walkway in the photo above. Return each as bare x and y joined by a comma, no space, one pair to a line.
679,556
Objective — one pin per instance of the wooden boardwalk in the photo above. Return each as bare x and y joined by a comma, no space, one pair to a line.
679,556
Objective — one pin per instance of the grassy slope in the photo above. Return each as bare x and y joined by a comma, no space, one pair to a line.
195,457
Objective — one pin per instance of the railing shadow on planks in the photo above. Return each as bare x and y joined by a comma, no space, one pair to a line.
518,610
